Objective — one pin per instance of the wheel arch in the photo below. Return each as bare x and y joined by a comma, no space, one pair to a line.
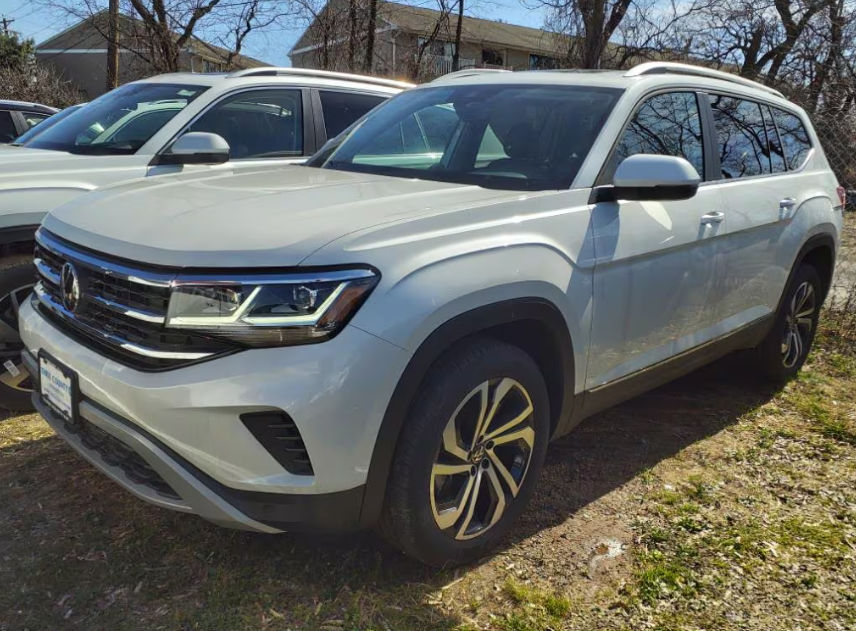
534,324
17,240
818,251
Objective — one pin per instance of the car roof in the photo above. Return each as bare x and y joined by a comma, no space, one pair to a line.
285,76
641,78
23,105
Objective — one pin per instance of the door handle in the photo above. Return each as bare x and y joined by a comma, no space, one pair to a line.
787,203
712,218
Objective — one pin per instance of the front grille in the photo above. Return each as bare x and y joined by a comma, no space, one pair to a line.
116,453
277,432
120,312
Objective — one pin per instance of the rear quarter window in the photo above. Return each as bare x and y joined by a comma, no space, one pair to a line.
795,140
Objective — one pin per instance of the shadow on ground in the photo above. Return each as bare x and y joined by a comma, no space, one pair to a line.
78,552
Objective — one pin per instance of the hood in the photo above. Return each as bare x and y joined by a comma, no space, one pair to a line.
272,218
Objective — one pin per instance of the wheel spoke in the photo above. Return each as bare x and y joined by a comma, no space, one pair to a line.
804,322
505,386
517,420
451,434
805,314
798,346
526,434
805,292
504,472
15,381
450,469
498,491
470,503
448,517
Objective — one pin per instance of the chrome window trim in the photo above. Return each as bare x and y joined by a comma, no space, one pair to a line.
115,340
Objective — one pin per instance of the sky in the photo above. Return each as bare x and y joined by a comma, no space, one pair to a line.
272,46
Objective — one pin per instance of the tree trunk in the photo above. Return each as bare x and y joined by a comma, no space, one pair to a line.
352,34
370,37
456,57
113,46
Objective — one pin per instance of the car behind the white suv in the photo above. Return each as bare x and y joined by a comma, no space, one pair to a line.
393,334
176,123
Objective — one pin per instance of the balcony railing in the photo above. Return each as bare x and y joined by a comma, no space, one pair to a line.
438,65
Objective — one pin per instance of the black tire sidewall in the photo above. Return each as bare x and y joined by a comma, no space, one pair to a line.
449,381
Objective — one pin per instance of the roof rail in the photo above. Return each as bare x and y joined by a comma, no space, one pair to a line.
664,67
320,74
469,72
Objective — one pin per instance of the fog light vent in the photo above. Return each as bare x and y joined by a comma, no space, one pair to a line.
277,433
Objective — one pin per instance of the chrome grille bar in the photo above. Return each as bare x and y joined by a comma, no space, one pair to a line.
48,302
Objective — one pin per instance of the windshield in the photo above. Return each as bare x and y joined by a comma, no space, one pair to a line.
32,132
518,137
120,122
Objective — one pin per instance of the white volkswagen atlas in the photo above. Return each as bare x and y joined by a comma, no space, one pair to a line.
393,334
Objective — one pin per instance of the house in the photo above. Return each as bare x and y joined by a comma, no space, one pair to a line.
79,54
418,42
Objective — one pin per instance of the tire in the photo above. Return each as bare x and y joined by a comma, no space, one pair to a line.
783,352
16,279
448,520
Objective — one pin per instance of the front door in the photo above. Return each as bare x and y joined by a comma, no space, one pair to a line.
657,263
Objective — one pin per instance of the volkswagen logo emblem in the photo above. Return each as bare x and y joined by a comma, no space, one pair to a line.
70,287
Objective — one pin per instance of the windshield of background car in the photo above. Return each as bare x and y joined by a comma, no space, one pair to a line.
120,122
517,137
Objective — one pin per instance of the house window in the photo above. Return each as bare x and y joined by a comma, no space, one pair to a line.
492,56
437,47
542,62
211,66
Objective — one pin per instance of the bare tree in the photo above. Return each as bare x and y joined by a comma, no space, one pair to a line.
38,84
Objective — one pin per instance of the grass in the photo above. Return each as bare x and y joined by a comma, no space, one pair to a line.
732,507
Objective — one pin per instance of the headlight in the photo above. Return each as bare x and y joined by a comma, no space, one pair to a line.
269,310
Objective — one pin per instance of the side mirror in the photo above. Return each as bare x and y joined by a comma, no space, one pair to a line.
647,177
196,147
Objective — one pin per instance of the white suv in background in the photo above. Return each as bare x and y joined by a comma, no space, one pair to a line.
392,334
176,123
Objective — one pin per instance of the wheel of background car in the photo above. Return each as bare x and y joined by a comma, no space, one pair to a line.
16,283
786,347
470,454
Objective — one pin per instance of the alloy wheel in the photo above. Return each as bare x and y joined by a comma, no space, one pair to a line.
18,379
483,458
799,324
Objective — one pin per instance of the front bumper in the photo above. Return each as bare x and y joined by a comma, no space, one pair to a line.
183,426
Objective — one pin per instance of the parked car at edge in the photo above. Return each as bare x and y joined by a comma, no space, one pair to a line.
178,123
16,117
392,335
32,132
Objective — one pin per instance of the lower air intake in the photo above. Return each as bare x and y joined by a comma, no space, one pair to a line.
277,433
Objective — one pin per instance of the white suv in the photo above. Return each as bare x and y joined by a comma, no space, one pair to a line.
176,123
392,334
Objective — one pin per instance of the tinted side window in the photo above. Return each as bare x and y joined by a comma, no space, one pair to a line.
343,108
666,124
794,137
8,132
258,124
777,156
742,140
34,118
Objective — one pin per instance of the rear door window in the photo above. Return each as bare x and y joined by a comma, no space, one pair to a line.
777,156
741,136
340,109
34,118
8,131
795,140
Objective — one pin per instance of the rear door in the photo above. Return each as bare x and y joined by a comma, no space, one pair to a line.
761,151
657,263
